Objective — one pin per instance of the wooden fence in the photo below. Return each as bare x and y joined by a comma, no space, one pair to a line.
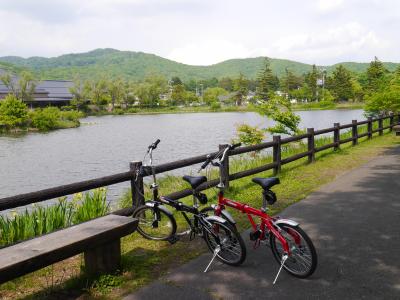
276,164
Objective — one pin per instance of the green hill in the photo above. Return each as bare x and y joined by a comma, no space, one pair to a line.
136,65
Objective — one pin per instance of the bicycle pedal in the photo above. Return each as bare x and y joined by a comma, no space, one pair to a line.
255,235
173,239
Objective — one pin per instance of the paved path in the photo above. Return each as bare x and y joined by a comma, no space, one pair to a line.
355,225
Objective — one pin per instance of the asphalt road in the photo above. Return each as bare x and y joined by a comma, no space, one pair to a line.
354,223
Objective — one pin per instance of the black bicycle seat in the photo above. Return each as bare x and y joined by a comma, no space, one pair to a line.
266,183
195,181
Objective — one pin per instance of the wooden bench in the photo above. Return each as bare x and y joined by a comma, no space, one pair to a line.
99,239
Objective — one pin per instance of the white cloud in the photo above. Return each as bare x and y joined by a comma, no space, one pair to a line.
329,5
348,42
207,52
204,31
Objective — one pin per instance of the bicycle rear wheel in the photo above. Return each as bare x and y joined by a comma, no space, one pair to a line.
233,249
155,223
302,261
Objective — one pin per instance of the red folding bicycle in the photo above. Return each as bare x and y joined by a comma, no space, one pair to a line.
290,245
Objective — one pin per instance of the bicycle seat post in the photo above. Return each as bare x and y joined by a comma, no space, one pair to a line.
195,201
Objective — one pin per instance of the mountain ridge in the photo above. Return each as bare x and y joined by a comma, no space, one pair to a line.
136,65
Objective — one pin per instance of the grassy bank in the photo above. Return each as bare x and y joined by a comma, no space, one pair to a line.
144,261
328,105
208,109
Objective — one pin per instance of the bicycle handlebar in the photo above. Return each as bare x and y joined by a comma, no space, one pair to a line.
154,145
219,154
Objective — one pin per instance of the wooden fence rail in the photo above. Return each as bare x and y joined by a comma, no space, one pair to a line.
277,161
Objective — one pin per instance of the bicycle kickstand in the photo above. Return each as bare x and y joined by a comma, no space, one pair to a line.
216,251
284,258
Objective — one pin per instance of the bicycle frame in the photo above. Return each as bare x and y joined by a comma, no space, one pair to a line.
267,222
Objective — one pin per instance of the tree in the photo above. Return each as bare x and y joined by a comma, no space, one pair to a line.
291,82
149,91
99,92
176,80
241,89
13,112
23,88
311,79
279,109
178,94
375,75
10,83
116,90
358,92
386,100
26,86
80,92
249,135
226,83
267,83
342,86
211,94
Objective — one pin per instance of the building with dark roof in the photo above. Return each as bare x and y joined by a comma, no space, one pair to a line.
47,92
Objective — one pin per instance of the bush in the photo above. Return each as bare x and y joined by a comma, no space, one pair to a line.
45,119
71,115
249,135
215,105
13,112
118,111
132,110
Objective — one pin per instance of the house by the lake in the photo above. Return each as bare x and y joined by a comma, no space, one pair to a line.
47,93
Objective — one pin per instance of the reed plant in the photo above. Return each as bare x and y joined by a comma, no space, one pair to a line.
44,219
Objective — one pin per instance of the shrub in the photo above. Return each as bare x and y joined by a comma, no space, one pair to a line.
45,119
118,111
249,135
132,110
71,115
215,105
13,112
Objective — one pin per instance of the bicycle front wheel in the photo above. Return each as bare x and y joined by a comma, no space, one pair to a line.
232,247
302,261
155,223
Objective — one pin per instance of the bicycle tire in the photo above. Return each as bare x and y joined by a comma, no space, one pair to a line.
233,249
155,223
303,259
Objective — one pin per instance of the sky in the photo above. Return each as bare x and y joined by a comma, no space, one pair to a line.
204,32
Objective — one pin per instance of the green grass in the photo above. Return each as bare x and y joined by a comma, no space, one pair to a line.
144,261
44,219
328,105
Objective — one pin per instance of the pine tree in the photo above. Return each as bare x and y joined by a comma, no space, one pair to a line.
376,75
267,83
342,87
240,86
311,80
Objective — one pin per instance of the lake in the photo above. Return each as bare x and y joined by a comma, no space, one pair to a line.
105,145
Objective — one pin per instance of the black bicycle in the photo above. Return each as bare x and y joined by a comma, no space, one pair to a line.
156,222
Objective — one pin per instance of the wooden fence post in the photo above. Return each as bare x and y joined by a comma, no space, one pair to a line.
354,132
137,189
391,121
380,124
369,128
336,136
276,153
225,167
311,145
